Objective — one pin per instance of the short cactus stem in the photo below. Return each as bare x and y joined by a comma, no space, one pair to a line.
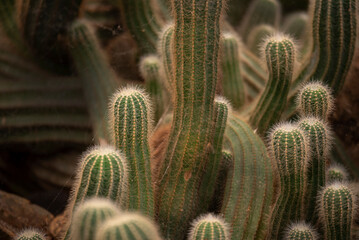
337,205
30,234
337,173
280,56
89,216
130,117
257,36
315,99
290,152
131,226
209,227
319,140
300,231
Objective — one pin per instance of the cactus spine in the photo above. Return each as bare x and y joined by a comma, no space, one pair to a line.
337,173
89,216
131,123
290,152
280,56
30,234
209,227
131,226
337,210
232,81
196,41
300,231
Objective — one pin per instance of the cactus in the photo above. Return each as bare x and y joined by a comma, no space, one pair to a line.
150,71
102,173
30,234
165,52
296,25
300,231
319,137
257,36
131,124
131,226
209,227
337,205
289,149
280,55
337,173
232,81
89,216
195,81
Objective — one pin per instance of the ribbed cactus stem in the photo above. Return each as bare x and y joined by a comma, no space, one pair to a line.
129,226
102,173
89,216
337,173
290,152
165,51
209,227
232,80
319,140
257,36
300,231
315,99
131,124
150,71
337,206
30,234
196,41
280,56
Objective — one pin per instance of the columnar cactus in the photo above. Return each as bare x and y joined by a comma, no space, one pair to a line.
209,227
196,41
165,52
30,234
280,56
131,226
130,118
232,81
337,172
89,216
337,204
300,231
319,140
257,36
290,152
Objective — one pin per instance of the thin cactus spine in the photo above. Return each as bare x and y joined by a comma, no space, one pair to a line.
300,231
209,227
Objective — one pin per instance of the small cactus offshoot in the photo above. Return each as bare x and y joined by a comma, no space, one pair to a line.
337,172
30,234
209,227
300,231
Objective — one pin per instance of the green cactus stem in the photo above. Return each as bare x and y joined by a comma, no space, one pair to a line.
196,40
300,231
248,192
99,80
30,234
90,215
296,25
165,53
337,206
130,226
280,56
290,151
131,124
337,173
232,80
209,227
257,36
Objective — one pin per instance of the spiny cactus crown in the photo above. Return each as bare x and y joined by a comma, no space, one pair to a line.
337,172
209,227
300,231
30,234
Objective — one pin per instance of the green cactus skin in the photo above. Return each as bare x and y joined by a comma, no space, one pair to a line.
143,21
337,209
130,226
300,231
232,81
213,166
90,215
260,12
290,151
150,71
98,78
102,173
337,173
280,56
196,41
165,53
131,124
296,25
319,140
30,234
315,99
257,36
249,188
209,227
